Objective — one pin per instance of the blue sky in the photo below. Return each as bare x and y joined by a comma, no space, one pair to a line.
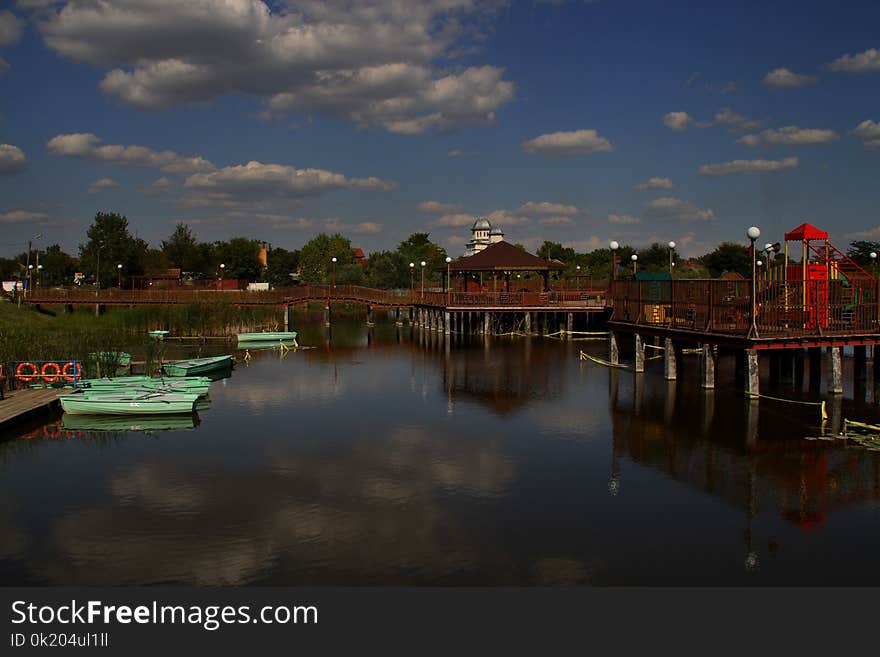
573,121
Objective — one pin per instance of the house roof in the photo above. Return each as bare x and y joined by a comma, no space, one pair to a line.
504,256
806,232
358,253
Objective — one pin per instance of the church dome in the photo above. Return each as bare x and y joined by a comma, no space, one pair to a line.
497,231
482,224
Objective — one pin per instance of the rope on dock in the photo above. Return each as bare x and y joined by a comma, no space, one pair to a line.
585,356
820,404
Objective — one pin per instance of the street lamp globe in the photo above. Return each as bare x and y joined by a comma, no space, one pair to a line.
873,255
411,265
671,245
118,266
30,266
222,266
423,263
753,232
333,259
759,263
448,260
634,257
614,245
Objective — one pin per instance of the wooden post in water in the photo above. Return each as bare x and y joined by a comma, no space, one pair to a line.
369,315
835,385
528,322
669,365
707,367
613,351
327,315
447,328
752,380
860,362
569,325
640,354
487,326
798,367
815,355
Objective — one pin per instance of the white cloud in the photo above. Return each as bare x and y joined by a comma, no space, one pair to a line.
677,120
161,185
500,218
869,132
564,144
10,28
556,220
870,234
372,63
4,67
623,219
258,181
587,245
727,117
85,146
790,135
367,228
748,166
655,183
546,207
863,62
101,185
436,206
669,208
456,152
21,216
783,78
12,159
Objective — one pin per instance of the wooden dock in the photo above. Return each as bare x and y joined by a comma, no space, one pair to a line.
19,404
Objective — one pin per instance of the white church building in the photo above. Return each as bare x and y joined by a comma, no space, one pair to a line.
482,235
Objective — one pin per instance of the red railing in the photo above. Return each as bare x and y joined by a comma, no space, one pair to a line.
303,293
793,308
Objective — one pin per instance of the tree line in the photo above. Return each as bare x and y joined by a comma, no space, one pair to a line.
109,243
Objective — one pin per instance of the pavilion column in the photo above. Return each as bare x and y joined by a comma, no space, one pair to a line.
528,322
707,367
815,357
752,380
446,319
613,350
569,325
860,362
669,365
487,329
369,315
640,354
835,385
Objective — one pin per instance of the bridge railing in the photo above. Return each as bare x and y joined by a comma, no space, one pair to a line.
552,299
792,308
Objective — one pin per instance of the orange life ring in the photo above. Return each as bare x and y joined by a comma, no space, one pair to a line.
77,371
54,375
26,377
52,431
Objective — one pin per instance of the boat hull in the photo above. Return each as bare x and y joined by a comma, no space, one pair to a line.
197,366
283,336
128,405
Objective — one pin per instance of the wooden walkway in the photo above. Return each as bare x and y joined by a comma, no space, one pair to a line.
21,403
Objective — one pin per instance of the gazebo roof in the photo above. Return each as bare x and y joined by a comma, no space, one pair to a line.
806,232
504,256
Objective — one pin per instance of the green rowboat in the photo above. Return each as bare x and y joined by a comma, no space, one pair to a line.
282,336
158,334
118,403
196,366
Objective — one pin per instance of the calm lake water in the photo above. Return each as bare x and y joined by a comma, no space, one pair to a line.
384,457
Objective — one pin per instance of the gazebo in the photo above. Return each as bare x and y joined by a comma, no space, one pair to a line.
502,259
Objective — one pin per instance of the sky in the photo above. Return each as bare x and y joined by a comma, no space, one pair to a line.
572,121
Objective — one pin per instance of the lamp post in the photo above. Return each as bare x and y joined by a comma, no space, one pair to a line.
753,234
635,261
671,256
30,277
577,277
39,275
222,267
448,283
28,262
873,255
119,275
412,267
333,260
423,263
614,246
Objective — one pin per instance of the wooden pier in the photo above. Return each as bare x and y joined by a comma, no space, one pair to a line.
20,404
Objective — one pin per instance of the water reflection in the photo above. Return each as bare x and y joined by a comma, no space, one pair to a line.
399,456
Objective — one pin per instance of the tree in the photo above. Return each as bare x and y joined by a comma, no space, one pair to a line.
283,265
418,248
655,258
241,257
315,258
728,257
555,251
860,252
58,266
109,244
388,270
182,249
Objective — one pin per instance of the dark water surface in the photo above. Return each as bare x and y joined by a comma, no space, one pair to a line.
385,458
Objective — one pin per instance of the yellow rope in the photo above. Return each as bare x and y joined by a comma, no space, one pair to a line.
860,425
584,356
820,404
